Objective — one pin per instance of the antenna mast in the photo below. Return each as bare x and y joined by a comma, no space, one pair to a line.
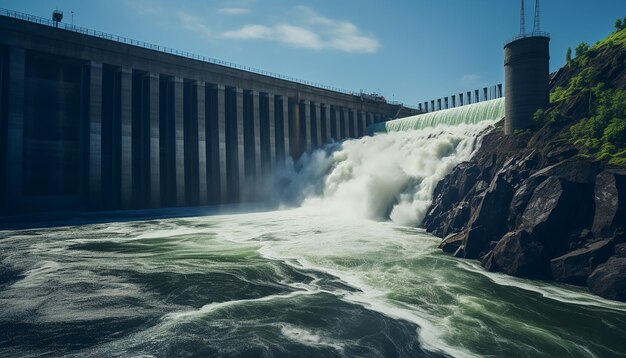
536,27
522,20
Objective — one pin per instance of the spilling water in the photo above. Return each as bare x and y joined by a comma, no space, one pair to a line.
320,279
491,110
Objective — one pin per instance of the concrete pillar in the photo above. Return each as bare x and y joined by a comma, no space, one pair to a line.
485,94
241,158
337,124
500,90
432,106
439,104
354,126
271,116
363,123
155,163
256,122
93,113
15,130
306,116
346,123
295,141
285,115
461,99
126,141
318,125
220,104
200,93
370,119
453,101
447,102
179,140
327,135
469,97
476,96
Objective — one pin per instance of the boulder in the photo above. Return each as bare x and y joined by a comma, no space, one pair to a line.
452,243
572,170
489,263
556,209
609,279
620,250
488,222
519,254
575,266
610,203
521,198
457,219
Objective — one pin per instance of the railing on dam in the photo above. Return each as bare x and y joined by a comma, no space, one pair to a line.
151,46
487,93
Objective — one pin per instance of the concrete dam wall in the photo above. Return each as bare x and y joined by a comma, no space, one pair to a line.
89,123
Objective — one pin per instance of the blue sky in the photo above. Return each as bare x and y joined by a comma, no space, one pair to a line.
409,51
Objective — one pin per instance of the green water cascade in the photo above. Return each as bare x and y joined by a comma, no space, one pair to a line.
469,114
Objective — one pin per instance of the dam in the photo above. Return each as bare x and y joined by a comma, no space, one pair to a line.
93,121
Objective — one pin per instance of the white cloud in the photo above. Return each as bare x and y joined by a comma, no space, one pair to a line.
249,32
320,32
235,11
194,24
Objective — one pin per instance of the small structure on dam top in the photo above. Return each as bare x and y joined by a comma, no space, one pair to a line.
526,74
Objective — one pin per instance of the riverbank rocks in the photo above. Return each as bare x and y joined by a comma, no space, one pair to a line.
575,266
609,279
488,222
610,203
535,203
556,209
519,254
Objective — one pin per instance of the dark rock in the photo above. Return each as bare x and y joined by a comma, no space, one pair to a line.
556,209
609,279
459,251
610,203
457,219
521,198
519,254
561,153
579,239
620,250
488,222
572,170
489,263
574,267
452,243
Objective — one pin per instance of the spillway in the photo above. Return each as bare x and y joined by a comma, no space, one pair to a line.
492,110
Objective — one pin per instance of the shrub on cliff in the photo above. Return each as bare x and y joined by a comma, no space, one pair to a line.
604,133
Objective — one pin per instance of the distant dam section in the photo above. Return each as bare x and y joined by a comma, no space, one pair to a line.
91,121
490,110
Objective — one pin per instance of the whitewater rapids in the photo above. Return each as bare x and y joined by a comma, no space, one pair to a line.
317,278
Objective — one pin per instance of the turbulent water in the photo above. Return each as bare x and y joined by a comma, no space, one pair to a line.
318,277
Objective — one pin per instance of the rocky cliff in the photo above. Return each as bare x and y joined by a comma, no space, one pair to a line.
543,203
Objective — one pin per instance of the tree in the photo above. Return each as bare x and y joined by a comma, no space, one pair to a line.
619,25
582,48
568,55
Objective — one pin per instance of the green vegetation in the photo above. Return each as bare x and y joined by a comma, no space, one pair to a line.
568,55
603,133
582,49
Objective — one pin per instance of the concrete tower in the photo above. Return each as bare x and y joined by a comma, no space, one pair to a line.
526,72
